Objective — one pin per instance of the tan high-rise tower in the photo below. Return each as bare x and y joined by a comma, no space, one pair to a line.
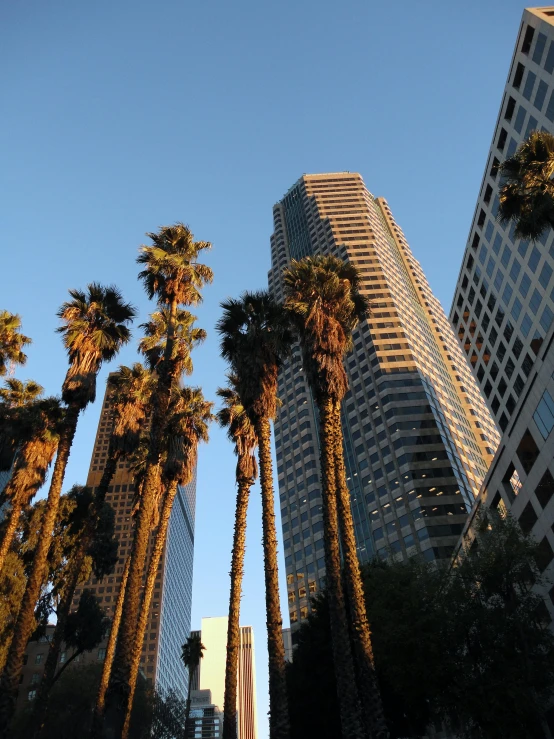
418,435
169,619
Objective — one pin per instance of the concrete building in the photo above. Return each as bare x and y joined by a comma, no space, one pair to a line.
418,435
169,620
211,673
503,306
206,718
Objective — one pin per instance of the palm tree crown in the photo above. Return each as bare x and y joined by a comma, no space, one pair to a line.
240,431
131,390
255,337
171,272
12,341
325,305
184,339
16,393
527,187
95,326
192,652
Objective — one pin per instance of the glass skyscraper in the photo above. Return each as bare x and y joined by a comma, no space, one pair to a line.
418,435
170,611
503,306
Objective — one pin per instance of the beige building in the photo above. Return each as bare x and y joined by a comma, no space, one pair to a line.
418,435
212,672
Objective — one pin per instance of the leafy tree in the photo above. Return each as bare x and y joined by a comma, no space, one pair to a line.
527,188
12,341
241,433
168,715
173,276
186,425
255,337
323,298
94,328
192,653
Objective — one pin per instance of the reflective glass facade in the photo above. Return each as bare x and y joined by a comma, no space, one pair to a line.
504,301
418,435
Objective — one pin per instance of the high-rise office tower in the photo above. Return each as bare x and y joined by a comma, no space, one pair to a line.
169,620
211,673
418,435
504,300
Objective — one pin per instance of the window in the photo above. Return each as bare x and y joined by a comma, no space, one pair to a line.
527,451
539,48
528,518
550,108
544,554
544,415
510,107
101,654
540,95
531,126
529,85
546,319
38,658
545,275
545,489
488,190
549,61
534,259
31,695
518,75
527,40
524,285
502,139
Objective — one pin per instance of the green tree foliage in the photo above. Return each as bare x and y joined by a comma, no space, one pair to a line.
12,341
467,645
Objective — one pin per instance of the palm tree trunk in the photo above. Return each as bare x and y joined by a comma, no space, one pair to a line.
372,707
187,708
279,726
40,708
347,692
155,557
110,652
10,530
118,689
233,626
26,617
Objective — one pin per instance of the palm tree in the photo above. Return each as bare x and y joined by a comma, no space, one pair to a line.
12,341
94,328
174,277
38,430
188,418
17,394
191,655
323,298
527,187
255,336
240,431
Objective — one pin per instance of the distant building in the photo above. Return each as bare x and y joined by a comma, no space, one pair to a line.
206,718
170,611
211,673
287,641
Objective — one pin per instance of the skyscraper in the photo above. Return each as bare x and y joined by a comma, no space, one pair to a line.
169,620
211,673
418,435
504,300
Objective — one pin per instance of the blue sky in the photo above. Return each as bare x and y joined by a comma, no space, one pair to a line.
120,117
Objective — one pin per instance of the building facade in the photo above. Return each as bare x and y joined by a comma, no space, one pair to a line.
521,479
503,306
210,675
418,435
170,610
206,718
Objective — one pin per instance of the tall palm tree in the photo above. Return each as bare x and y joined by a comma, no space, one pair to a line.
12,341
255,337
38,430
13,397
173,276
94,328
192,653
240,431
188,419
527,187
323,298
